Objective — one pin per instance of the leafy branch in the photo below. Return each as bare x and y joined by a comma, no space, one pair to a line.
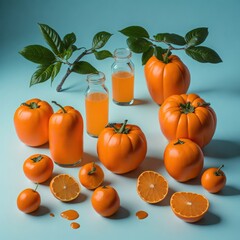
139,41
51,60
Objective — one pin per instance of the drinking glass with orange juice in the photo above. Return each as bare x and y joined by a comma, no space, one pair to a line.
96,104
122,77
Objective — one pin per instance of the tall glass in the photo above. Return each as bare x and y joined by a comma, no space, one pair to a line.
122,77
96,104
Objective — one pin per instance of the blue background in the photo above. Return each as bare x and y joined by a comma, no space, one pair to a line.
218,84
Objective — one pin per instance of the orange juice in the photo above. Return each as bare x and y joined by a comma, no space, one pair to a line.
96,104
123,87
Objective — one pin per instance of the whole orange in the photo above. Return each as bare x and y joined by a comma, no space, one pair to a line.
213,179
91,175
105,201
183,159
28,200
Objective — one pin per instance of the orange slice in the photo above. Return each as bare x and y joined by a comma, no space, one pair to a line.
64,187
188,206
152,187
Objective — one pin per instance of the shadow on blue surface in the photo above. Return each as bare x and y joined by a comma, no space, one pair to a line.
166,201
42,210
120,214
209,219
229,191
150,163
222,149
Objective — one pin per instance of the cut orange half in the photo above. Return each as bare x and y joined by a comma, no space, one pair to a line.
64,187
152,187
188,206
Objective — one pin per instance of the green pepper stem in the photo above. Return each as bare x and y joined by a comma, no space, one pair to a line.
63,109
32,105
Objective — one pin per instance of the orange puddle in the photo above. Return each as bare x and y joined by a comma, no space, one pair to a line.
70,214
75,225
141,214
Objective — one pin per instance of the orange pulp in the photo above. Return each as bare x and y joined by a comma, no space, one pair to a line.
96,113
122,87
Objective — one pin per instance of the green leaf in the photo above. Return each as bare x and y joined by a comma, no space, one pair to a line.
100,55
138,45
38,54
196,36
52,38
100,39
69,40
42,74
56,69
203,54
146,55
135,31
68,53
158,52
170,38
83,67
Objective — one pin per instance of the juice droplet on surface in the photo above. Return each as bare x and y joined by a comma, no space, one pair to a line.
52,215
141,214
75,225
70,214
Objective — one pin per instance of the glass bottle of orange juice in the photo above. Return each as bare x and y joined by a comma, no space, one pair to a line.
122,77
96,104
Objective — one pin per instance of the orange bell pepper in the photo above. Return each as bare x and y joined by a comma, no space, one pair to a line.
66,136
31,122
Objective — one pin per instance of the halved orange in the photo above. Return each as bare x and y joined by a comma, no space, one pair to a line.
188,206
152,187
64,187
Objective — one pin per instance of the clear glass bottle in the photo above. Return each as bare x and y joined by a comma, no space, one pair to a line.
122,77
96,104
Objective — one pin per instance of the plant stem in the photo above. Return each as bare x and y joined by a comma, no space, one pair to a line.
219,172
70,69
63,109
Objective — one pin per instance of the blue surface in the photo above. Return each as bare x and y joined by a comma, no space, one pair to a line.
218,84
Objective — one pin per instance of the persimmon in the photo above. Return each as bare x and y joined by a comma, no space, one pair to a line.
183,159
121,147
31,122
91,175
105,201
213,179
28,200
187,116
38,168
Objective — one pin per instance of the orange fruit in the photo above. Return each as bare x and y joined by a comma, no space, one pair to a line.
91,175
105,201
152,187
28,200
64,187
188,206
